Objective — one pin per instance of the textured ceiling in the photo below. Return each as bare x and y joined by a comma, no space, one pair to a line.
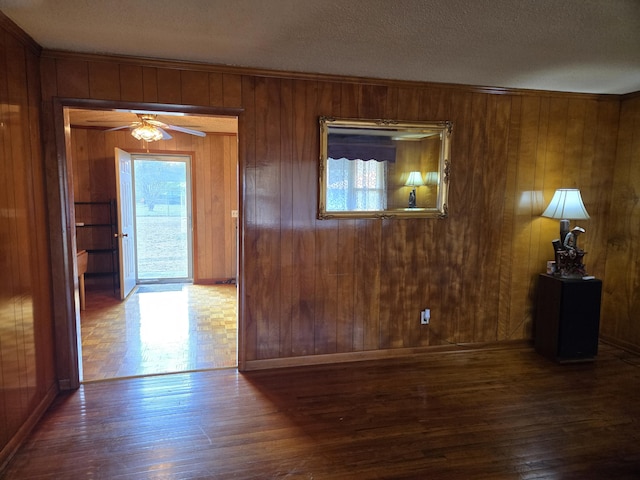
565,45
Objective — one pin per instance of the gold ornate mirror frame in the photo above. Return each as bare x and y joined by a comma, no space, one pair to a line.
383,168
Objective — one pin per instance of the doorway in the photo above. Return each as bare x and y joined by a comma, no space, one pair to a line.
162,213
208,308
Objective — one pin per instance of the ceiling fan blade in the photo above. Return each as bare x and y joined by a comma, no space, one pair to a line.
150,112
165,134
186,130
157,123
122,127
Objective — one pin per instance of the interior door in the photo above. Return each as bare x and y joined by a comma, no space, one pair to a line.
126,231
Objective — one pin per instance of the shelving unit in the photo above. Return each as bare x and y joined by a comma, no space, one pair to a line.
96,227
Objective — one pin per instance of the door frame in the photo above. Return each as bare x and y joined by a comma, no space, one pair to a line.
62,239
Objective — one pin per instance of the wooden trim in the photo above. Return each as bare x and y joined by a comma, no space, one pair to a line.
616,342
194,218
349,357
166,107
215,281
630,96
63,257
152,151
10,449
256,72
23,37
240,248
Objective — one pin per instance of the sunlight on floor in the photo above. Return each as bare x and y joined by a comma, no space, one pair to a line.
164,320
191,327
164,329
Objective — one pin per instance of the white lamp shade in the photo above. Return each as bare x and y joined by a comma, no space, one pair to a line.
566,204
414,180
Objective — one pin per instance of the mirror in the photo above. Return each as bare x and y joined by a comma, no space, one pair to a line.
383,168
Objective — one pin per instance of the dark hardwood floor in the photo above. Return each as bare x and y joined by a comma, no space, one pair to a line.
479,414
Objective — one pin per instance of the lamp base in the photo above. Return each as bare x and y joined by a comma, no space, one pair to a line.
412,199
564,229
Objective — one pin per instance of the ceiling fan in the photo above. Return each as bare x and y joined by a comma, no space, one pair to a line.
149,129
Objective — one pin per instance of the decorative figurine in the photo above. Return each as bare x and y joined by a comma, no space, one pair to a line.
569,256
571,239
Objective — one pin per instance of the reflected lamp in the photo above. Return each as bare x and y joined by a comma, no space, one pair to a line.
414,180
431,178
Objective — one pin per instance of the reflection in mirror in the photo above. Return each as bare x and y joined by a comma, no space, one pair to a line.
382,168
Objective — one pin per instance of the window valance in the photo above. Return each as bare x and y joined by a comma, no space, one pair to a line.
361,147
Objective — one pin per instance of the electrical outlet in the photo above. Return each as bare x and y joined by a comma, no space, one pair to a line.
425,316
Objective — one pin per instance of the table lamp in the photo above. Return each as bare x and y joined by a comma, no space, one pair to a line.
414,180
566,205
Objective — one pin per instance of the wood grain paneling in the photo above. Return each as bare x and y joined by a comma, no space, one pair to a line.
27,376
195,87
72,78
131,89
302,224
149,84
287,261
316,287
219,159
621,286
104,81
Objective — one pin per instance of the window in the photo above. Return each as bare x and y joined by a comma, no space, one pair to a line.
356,185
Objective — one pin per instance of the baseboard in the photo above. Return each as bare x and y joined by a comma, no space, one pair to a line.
9,450
325,359
215,281
629,347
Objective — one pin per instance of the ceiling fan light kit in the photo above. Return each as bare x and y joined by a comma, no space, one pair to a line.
148,133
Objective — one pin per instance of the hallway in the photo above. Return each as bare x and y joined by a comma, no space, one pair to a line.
159,329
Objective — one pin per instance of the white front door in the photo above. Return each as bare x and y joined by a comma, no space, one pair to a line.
126,232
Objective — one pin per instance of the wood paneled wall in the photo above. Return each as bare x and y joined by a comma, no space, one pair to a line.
215,190
27,377
313,287
621,286
214,187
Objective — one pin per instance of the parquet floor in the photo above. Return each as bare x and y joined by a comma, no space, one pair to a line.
159,329
469,415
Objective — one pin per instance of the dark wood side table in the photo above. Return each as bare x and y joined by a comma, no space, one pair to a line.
567,321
